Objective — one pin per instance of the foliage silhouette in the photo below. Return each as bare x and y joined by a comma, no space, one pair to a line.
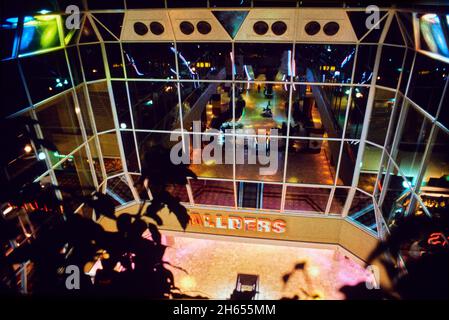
131,258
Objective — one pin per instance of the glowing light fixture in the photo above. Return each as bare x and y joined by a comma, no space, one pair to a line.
41,156
123,125
28,148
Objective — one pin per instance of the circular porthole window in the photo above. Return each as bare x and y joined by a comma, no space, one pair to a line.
186,27
279,28
203,27
331,28
140,28
260,27
156,28
312,28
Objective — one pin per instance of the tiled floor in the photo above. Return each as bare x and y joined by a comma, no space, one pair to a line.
213,266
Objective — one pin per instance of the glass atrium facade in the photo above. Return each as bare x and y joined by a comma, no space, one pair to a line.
362,113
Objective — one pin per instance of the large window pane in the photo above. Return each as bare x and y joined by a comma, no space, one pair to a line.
390,66
101,106
427,83
214,156
324,63
154,105
312,161
204,61
306,199
111,153
74,176
150,60
437,170
370,167
12,89
208,103
92,59
119,190
269,163
215,193
413,142
59,123
46,75
380,116
262,61
40,33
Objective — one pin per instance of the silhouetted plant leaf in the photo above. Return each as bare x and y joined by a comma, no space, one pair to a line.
286,277
102,204
153,209
155,234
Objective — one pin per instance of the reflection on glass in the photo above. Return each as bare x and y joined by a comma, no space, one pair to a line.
390,66
383,104
92,59
154,105
413,142
129,147
40,33
324,63
312,156
437,170
356,112
101,106
59,123
271,197
261,106
74,175
121,104
46,74
306,199
85,114
96,160
427,83
256,61
114,60
210,103
338,201
111,153
210,192
432,32
370,167
365,63
362,211
209,155
13,93
204,61
118,189
259,158
150,60
8,40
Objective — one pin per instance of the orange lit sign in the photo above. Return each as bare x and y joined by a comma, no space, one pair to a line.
233,222
437,239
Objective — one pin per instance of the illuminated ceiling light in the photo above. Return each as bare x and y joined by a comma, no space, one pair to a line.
77,110
44,11
405,184
41,156
94,70
149,103
7,208
123,125
28,148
